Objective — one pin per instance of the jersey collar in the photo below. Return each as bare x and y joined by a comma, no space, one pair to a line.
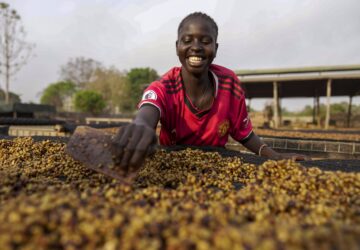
201,113
216,83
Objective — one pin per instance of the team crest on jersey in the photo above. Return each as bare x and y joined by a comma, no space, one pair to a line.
223,128
246,121
149,95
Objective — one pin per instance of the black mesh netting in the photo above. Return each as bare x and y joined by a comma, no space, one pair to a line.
324,164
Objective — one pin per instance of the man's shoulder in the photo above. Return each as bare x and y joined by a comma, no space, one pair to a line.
170,76
228,81
168,82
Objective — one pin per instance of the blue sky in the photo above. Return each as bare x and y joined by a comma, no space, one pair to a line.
139,33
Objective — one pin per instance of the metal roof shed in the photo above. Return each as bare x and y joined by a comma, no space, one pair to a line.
302,82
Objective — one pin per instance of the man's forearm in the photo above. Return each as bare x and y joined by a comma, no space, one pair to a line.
148,115
256,145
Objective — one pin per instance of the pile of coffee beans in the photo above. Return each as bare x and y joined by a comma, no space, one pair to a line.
186,199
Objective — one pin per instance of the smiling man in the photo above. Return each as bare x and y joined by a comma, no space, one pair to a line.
198,104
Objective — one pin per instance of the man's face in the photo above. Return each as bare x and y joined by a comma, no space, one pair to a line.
196,46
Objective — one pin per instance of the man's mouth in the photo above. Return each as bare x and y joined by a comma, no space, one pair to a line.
195,60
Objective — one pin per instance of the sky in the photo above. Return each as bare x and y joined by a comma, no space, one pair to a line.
255,34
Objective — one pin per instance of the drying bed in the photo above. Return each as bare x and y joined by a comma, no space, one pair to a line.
181,199
338,135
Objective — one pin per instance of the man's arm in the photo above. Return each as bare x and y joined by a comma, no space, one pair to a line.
256,145
136,140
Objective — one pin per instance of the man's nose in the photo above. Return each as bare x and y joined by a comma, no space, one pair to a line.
196,45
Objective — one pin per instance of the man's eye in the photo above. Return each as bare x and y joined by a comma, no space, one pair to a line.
206,41
186,39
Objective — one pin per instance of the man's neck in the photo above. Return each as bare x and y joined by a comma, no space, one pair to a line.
195,84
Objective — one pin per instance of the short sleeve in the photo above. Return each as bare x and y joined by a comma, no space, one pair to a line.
154,95
241,128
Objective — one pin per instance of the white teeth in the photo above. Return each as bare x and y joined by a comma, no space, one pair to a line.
195,59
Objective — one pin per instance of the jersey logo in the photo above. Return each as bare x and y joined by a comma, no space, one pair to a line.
149,95
246,121
223,128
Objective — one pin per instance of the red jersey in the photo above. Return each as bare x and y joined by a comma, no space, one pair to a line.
183,124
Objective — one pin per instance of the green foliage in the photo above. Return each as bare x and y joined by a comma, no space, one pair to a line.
355,110
55,94
89,101
137,79
14,98
110,83
4,5
307,111
284,111
335,108
251,109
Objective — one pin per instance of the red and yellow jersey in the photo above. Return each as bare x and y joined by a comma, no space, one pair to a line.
183,124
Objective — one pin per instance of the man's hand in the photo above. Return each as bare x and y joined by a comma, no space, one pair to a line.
292,156
256,145
132,144
136,140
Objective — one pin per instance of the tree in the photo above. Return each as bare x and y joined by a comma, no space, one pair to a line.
356,110
79,70
137,79
57,93
285,111
89,101
268,112
13,98
306,111
14,50
339,108
110,83
335,108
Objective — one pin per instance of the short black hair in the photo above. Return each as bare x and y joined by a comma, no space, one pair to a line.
203,16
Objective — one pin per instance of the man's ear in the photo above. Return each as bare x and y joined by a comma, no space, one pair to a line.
176,45
216,48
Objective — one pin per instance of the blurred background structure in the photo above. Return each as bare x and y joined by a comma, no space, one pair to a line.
307,82
68,63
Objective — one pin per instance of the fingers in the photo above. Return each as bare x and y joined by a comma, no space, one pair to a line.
305,158
131,146
293,156
121,140
153,147
298,157
130,149
152,150
144,147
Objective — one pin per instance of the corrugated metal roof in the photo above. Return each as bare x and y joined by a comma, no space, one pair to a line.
301,82
314,69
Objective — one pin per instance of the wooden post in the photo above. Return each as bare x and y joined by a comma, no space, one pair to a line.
249,105
314,111
279,111
328,103
349,112
318,117
276,104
